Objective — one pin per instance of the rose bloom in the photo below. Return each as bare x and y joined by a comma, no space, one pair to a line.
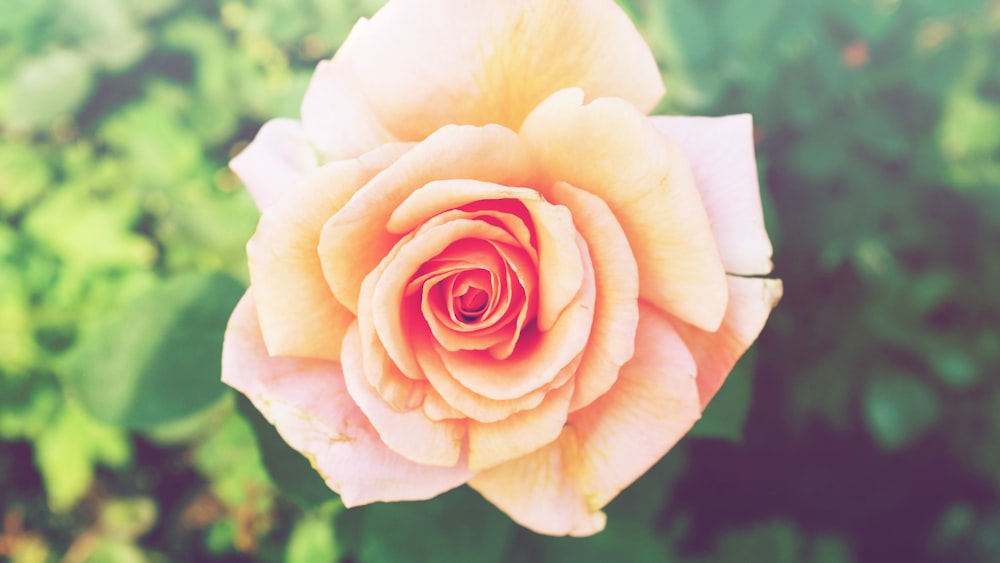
479,261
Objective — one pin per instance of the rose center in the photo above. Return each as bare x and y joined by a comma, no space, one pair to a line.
471,304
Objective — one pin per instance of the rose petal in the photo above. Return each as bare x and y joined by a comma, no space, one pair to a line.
410,433
561,488
616,309
276,160
721,152
648,185
335,112
355,239
750,303
538,492
299,316
470,404
491,444
411,69
307,402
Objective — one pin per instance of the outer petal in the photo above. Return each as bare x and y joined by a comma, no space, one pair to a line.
307,402
299,316
722,157
277,158
335,112
647,183
561,488
357,235
750,303
491,443
417,66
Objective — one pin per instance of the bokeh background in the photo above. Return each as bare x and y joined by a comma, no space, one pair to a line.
864,426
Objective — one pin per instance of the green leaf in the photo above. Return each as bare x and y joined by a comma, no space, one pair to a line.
228,457
158,148
26,406
127,519
312,539
726,414
955,366
48,87
456,526
899,409
157,359
289,470
24,176
100,234
114,551
194,426
104,31
18,349
67,451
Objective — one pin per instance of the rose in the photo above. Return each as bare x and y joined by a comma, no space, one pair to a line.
480,262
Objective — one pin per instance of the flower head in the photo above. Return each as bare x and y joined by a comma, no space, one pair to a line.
479,260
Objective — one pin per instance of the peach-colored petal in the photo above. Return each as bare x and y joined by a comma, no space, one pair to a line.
750,303
307,402
521,279
335,113
276,160
538,357
436,408
561,488
722,157
416,66
356,238
648,184
492,443
299,316
469,403
559,269
538,492
616,309
649,409
410,433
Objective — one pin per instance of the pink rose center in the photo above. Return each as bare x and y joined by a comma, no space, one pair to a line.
471,304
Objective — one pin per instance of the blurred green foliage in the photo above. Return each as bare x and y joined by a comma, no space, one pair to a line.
873,431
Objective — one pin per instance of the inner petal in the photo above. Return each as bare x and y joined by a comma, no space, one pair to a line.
538,355
477,294
551,232
386,312
472,291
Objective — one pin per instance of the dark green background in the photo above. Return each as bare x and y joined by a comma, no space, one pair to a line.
873,431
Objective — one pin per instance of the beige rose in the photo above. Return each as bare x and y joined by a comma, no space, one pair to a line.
479,261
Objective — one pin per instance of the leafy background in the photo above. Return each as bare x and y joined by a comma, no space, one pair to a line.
865,425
